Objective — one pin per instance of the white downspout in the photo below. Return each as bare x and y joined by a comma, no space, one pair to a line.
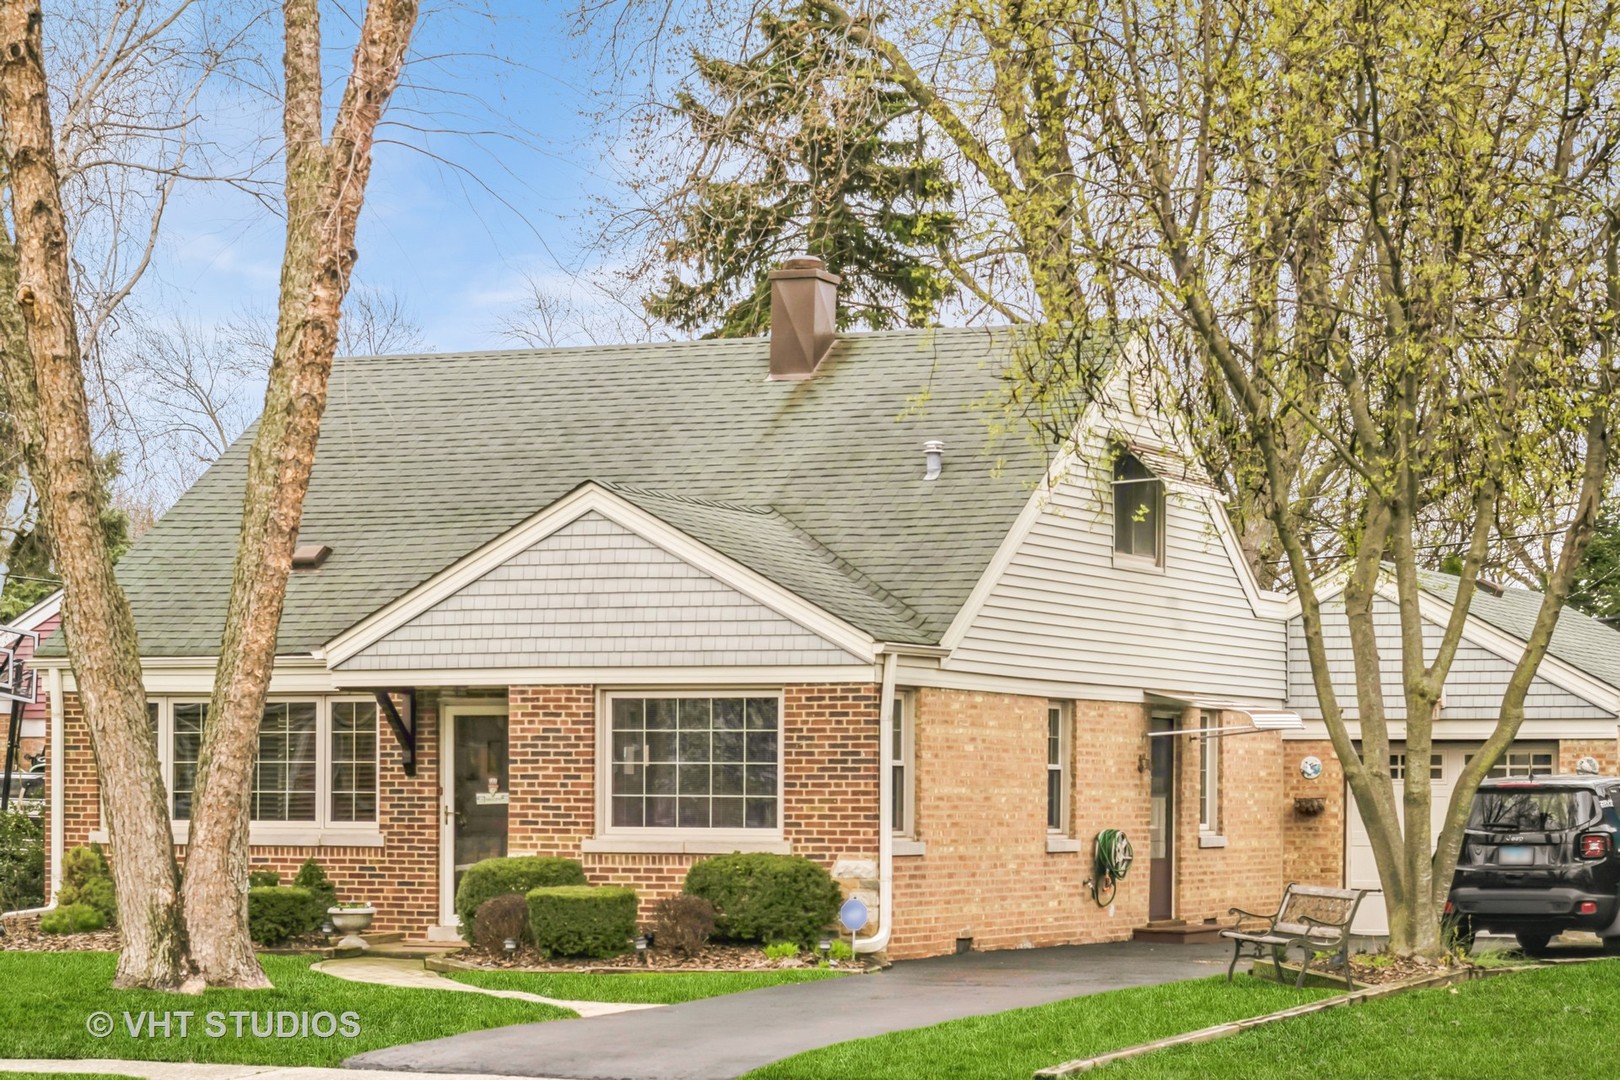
58,781
880,938
58,799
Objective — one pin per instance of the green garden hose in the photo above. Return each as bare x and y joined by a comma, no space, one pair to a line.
1110,864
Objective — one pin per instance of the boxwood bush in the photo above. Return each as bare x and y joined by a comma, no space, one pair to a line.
582,920
279,913
767,898
86,879
512,875
72,919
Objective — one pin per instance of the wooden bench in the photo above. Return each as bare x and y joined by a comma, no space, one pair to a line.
1313,918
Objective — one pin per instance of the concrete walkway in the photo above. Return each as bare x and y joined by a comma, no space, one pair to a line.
410,974
720,1038
172,1070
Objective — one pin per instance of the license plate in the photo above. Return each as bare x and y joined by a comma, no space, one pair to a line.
1516,855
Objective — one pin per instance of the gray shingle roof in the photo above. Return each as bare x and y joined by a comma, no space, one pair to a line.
816,485
1579,640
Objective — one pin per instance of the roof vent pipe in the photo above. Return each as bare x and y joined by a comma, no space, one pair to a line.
934,455
804,316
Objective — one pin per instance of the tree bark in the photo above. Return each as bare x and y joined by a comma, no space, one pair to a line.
325,188
45,383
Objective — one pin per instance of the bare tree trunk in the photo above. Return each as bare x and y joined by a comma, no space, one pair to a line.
325,188
45,383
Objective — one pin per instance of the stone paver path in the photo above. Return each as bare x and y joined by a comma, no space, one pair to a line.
411,974
724,1037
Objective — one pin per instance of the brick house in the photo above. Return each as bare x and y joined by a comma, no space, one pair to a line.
640,604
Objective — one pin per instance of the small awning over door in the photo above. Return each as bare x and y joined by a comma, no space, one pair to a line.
1261,717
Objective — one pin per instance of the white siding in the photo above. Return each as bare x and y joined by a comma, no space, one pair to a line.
594,594
1062,609
1473,690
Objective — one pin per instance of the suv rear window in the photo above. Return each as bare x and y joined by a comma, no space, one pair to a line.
1532,809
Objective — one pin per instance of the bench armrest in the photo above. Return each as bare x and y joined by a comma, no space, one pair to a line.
1252,914
1328,925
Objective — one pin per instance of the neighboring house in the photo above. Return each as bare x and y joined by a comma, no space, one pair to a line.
42,619
640,604
1571,712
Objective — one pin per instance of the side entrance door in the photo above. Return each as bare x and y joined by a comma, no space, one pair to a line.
475,795
1162,830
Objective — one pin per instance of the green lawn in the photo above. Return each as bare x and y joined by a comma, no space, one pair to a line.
46,1000
648,988
1015,1044
60,1076
1556,1021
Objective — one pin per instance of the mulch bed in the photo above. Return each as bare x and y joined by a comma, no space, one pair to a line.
1376,969
710,958
21,933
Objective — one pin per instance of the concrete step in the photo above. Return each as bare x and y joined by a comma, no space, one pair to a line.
1178,932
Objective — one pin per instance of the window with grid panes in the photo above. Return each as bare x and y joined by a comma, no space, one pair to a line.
695,762
354,761
285,777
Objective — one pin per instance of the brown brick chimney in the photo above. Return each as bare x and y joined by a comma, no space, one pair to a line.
804,316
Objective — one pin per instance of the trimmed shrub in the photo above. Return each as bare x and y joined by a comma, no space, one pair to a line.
322,893
279,913
767,898
86,879
263,879
499,919
72,919
513,875
683,922
582,920
22,862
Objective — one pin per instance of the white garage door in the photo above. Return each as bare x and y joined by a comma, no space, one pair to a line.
1448,759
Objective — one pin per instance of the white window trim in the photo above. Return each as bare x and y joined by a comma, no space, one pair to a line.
1064,768
322,831
325,716
1209,776
632,839
1130,560
906,716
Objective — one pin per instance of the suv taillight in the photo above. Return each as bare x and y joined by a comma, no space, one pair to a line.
1593,845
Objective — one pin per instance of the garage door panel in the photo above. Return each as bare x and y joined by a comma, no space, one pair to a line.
1361,871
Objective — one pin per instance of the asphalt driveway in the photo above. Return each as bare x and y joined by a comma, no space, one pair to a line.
720,1038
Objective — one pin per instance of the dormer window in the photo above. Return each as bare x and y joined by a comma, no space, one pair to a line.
1138,511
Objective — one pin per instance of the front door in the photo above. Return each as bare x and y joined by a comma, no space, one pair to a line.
1162,830
477,795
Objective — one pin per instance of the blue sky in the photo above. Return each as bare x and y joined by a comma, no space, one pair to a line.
452,241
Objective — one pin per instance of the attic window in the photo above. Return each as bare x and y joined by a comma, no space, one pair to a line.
1138,511
309,556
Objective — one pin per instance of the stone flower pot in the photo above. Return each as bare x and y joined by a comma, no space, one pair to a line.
349,921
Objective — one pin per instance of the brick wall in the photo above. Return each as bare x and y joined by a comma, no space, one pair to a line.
1248,871
1313,848
829,785
400,878
981,812
1607,752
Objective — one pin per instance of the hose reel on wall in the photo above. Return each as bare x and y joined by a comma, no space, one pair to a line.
1110,862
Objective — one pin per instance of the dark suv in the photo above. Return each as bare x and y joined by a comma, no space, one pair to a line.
1539,857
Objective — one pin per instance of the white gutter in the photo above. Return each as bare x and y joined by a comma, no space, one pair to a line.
880,938
56,778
